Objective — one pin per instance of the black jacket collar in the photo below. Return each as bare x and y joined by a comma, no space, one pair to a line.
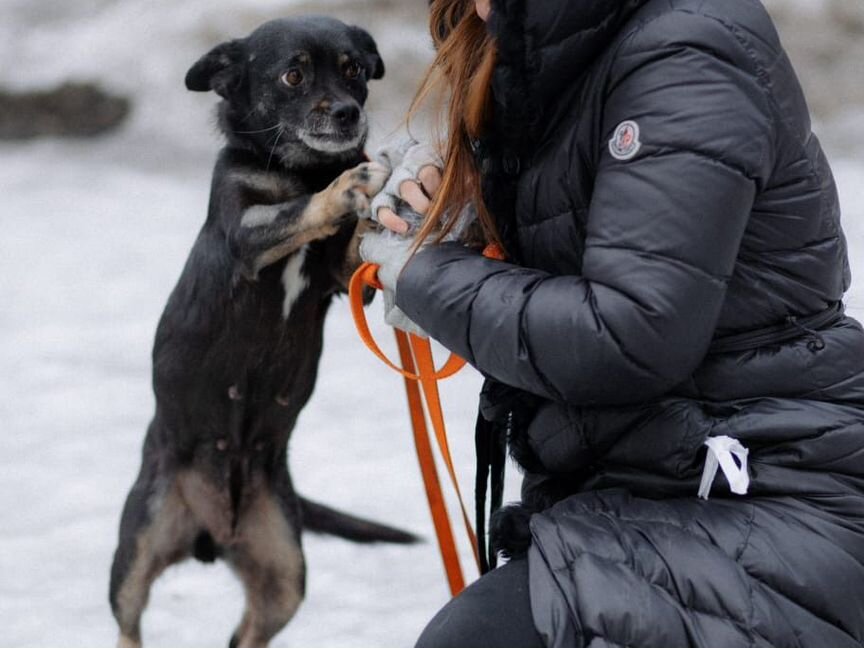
544,46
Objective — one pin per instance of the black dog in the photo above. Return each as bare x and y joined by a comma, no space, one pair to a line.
237,348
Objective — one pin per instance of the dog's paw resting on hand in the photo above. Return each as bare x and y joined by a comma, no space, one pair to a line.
356,187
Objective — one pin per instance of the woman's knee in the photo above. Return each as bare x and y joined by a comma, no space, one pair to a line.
446,632
493,612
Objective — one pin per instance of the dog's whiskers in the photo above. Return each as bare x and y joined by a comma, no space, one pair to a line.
253,132
248,115
275,144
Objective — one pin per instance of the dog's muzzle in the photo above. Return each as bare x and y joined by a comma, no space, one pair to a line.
345,129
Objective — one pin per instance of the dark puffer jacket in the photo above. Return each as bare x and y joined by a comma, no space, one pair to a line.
660,296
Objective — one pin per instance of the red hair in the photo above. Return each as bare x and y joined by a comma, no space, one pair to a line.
461,79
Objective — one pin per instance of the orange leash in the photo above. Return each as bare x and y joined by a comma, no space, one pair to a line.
434,494
420,375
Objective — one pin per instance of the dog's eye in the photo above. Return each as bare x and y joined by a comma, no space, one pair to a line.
353,70
292,77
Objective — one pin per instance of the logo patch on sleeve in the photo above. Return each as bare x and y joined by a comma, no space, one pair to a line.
625,143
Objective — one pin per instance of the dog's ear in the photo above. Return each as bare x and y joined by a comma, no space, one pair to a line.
364,41
222,69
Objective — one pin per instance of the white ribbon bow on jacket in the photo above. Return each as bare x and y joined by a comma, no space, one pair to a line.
722,453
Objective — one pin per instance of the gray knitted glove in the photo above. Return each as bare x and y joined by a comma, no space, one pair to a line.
405,158
390,251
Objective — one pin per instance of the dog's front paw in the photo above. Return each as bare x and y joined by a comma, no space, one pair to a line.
377,176
356,186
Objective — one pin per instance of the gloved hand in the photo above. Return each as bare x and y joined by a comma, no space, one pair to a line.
391,247
390,252
401,207
415,176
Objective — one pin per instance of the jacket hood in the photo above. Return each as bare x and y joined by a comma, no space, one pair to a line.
544,47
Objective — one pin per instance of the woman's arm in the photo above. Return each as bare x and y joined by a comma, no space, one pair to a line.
663,233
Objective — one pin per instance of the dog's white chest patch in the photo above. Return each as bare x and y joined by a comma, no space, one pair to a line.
294,281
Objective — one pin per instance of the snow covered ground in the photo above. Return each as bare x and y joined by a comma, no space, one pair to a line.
88,255
93,237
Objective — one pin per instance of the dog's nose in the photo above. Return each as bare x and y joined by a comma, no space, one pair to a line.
346,114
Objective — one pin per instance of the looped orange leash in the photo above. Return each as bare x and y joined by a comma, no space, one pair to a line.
367,275
419,372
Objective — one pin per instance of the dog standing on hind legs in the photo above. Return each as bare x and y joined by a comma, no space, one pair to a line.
237,348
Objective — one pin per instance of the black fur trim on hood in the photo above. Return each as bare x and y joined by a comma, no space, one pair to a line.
511,410
509,530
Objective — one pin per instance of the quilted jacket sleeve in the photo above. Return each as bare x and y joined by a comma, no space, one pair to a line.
663,233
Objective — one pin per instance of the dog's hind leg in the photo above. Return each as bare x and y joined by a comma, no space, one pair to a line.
156,530
269,561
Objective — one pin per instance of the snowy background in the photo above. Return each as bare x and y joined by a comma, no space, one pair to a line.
94,234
